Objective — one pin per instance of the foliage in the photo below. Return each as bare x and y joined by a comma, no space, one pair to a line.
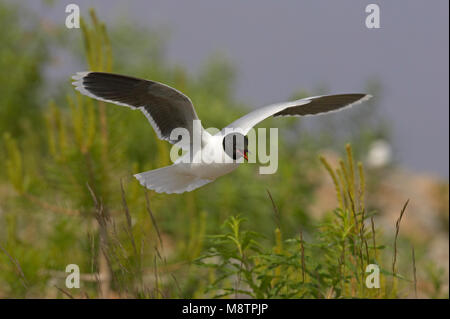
22,58
331,265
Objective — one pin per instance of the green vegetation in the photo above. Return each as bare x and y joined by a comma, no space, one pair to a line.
331,265
67,195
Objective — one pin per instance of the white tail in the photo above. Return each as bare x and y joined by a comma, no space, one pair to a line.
169,180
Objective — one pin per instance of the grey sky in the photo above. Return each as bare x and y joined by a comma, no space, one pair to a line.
281,46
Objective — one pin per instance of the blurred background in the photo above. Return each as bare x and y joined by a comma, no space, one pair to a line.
67,194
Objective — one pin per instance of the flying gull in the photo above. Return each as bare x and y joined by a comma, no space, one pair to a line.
167,109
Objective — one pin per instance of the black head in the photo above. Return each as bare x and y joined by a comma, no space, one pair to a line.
235,145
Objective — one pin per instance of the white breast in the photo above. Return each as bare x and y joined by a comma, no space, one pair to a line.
211,161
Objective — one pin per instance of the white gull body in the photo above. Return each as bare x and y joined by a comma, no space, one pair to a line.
167,109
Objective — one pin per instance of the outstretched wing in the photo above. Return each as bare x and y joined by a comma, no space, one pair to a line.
166,108
308,106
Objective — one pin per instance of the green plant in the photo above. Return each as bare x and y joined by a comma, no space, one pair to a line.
331,265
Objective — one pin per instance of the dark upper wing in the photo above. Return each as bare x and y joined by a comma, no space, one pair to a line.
166,108
322,104
308,106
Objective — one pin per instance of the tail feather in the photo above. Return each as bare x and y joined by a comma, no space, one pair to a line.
169,180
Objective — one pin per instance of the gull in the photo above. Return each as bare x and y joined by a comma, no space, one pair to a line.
167,110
